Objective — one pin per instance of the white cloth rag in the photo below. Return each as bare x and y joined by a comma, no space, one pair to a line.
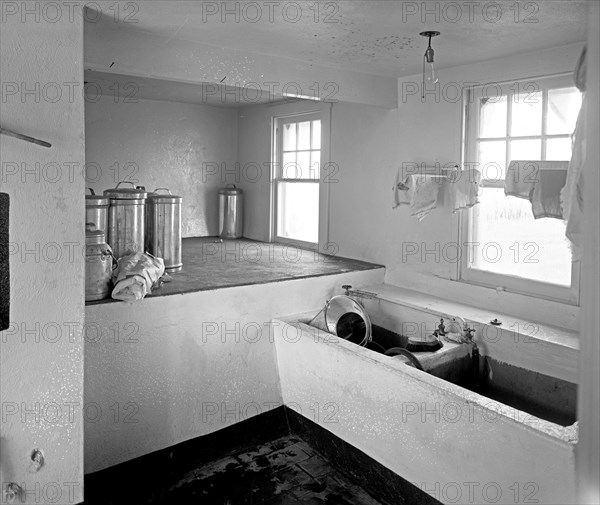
420,192
464,189
135,275
540,182
572,194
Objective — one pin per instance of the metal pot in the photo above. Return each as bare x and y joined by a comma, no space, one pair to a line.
163,228
126,219
230,212
98,264
96,210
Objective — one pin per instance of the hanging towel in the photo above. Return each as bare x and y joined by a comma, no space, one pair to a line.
464,189
420,192
545,199
540,182
572,194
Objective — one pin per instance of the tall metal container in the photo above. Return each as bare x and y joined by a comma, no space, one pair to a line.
96,210
98,264
126,219
230,212
163,228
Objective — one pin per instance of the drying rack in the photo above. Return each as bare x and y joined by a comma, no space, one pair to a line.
436,172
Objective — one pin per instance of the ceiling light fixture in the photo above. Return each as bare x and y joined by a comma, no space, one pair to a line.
429,75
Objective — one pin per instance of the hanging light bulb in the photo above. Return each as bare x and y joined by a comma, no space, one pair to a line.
429,75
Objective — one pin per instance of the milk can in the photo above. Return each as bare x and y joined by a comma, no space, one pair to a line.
98,264
230,212
126,219
163,228
96,210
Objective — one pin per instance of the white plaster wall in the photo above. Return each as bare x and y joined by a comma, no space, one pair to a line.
190,149
369,144
456,445
588,449
168,369
41,354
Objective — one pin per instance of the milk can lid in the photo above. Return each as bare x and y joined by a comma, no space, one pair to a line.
93,235
158,198
230,189
93,199
134,192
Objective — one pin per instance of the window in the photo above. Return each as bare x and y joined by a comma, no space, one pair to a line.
296,179
507,246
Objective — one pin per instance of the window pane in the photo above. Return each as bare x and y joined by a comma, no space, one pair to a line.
526,114
304,135
304,165
492,159
526,150
563,108
508,240
289,137
492,118
290,168
316,134
558,149
315,164
298,211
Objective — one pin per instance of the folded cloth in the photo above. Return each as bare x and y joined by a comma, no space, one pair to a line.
540,182
420,192
464,189
135,275
130,289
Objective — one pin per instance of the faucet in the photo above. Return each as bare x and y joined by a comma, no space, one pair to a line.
454,322
466,333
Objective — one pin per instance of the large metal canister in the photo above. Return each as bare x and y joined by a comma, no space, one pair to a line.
163,228
230,212
96,210
126,219
98,264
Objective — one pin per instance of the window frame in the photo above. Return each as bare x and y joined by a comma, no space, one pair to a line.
277,167
510,283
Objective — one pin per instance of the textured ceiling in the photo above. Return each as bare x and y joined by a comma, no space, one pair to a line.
376,37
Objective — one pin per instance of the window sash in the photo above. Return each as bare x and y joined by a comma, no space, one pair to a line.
471,118
278,176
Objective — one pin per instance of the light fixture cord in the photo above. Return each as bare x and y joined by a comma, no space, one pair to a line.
425,58
423,87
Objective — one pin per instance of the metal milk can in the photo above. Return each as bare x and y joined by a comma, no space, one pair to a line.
230,212
163,228
98,264
126,219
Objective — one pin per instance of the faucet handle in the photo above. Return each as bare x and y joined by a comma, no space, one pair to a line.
347,287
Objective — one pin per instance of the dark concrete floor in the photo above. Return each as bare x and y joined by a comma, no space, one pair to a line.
209,263
286,471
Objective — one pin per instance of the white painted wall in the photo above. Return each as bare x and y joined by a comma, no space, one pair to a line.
190,149
453,444
588,449
168,369
41,354
369,144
